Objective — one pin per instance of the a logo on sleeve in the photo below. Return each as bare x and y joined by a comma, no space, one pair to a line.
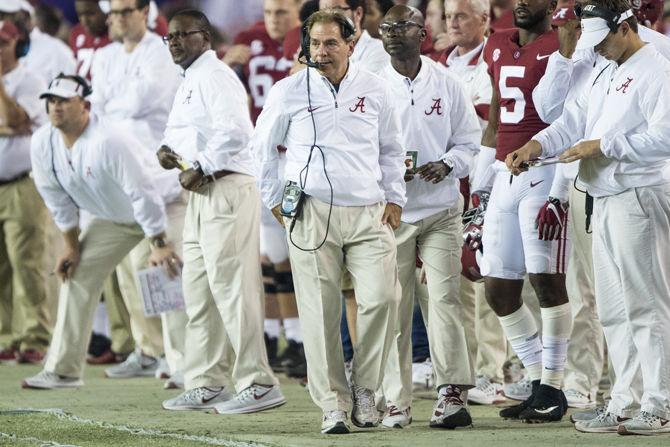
560,14
623,87
436,107
359,106
496,54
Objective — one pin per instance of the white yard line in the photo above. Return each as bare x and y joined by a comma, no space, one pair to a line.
40,442
137,431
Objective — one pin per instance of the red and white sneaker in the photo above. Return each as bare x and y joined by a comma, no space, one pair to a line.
32,356
644,424
7,356
395,418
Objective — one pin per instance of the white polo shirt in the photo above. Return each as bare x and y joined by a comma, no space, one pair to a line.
357,129
439,123
209,121
48,56
102,173
135,90
627,107
24,87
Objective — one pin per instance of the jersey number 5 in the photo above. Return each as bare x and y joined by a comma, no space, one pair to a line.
511,93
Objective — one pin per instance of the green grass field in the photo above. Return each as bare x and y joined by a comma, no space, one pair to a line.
128,413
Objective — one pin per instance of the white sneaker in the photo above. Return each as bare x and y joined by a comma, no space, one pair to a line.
644,424
136,365
162,369
520,390
252,399
588,414
578,400
334,423
449,410
422,376
175,382
486,392
604,423
202,398
364,413
46,380
395,418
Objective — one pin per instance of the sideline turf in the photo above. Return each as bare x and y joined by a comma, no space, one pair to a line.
136,403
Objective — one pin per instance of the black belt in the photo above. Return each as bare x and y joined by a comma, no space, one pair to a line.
15,179
222,173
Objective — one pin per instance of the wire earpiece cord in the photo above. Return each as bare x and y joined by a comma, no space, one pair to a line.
303,179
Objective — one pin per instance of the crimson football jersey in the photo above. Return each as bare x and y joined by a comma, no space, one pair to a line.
84,46
266,66
516,71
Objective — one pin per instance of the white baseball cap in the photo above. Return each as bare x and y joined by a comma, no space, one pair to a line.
10,6
64,88
595,29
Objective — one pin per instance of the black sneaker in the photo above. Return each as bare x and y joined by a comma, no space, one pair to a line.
548,406
293,355
271,348
297,371
514,411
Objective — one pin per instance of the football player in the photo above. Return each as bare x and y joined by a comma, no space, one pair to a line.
517,58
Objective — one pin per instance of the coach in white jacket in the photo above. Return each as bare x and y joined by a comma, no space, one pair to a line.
349,161
441,133
79,164
619,126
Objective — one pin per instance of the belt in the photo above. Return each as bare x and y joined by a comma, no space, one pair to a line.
222,173
15,179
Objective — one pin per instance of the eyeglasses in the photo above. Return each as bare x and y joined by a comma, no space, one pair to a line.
398,27
180,35
125,12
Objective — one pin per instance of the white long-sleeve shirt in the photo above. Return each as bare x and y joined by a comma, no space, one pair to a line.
357,129
135,90
439,123
369,53
627,107
101,173
48,56
209,121
24,87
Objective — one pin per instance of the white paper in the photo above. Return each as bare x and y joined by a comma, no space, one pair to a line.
160,293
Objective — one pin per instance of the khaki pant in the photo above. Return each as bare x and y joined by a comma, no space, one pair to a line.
223,286
119,318
631,266
586,350
24,313
359,242
438,239
103,245
156,335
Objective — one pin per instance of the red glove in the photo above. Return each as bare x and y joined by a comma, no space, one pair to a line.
551,219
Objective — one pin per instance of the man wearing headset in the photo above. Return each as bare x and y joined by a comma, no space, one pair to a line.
618,126
79,164
345,166
22,213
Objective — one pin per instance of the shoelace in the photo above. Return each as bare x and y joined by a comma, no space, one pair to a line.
245,394
334,414
452,396
364,397
647,417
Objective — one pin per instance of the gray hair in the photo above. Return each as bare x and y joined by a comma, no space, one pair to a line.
478,6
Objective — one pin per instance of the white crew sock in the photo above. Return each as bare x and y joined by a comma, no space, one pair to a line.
521,331
556,329
292,329
272,327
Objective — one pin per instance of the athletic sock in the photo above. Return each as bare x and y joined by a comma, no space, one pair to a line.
272,327
556,329
292,329
521,331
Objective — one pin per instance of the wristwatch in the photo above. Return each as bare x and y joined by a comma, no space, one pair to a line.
158,242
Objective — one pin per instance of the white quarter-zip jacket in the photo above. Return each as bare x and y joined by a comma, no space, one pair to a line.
102,173
439,122
48,56
135,90
369,53
627,107
357,130
209,121
24,87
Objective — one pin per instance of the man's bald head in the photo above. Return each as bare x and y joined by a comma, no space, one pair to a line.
401,12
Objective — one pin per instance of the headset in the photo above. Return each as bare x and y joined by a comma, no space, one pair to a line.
348,30
613,19
23,42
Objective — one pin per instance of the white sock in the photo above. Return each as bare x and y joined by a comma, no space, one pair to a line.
272,327
556,329
292,329
521,331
